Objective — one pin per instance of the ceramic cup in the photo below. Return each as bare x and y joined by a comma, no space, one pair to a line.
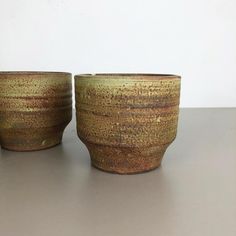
35,108
127,121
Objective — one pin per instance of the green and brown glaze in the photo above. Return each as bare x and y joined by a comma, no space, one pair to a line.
127,121
35,108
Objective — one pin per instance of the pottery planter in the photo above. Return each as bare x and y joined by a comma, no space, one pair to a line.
127,121
35,108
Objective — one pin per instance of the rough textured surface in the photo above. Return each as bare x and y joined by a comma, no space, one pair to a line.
35,108
127,121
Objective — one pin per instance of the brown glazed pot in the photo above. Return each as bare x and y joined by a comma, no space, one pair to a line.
127,121
35,108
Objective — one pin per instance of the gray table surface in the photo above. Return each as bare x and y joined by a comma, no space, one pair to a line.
57,192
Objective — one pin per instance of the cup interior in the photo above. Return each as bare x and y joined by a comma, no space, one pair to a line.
129,75
33,73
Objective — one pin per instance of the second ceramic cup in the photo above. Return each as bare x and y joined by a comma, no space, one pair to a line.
35,108
127,121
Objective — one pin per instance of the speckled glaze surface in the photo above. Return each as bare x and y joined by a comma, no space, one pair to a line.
35,108
127,121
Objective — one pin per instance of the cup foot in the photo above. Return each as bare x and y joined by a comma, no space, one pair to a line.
30,140
122,172
28,149
125,160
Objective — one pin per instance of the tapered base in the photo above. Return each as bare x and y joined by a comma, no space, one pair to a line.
125,160
30,140
120,172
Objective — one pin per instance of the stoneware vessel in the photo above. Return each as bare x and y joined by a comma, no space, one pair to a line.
127,121
35,108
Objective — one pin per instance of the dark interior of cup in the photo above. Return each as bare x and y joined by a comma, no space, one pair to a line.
136,75
32,73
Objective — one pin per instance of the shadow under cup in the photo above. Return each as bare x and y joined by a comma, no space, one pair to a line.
127,121
35,108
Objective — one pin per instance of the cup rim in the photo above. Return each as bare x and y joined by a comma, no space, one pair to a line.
130,75
34,73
